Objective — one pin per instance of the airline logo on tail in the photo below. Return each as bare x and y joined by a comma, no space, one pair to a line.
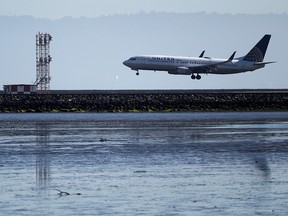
258,52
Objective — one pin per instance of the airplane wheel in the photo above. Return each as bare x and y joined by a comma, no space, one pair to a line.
198,77
137,73
193,77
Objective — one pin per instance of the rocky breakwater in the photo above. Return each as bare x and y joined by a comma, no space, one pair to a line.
167,101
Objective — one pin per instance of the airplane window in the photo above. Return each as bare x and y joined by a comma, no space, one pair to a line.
133,59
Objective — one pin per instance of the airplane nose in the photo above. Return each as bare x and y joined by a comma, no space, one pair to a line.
125,63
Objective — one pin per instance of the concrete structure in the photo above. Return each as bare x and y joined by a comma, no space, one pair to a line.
20,89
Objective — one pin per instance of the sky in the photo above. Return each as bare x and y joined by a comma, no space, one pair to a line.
217,43
56,9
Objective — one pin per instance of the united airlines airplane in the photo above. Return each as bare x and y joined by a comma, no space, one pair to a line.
194,66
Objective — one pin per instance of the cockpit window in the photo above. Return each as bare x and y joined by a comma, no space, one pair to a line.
132,59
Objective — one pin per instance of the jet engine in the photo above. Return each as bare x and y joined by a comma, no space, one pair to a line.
181,71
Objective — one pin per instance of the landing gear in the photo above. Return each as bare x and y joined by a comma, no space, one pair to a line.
198,77
137,73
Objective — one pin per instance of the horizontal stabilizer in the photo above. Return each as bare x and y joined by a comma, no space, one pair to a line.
264,63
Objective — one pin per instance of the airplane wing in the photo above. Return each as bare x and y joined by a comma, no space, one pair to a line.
210,67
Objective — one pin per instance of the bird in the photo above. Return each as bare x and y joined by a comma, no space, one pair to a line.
62,193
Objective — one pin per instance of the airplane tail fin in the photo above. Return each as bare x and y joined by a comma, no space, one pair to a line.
257,53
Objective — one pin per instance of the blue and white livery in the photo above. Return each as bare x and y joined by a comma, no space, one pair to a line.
194,66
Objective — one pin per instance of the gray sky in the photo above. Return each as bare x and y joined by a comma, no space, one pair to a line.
55,9
79,64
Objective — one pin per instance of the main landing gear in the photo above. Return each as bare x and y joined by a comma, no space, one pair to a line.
198,77
137,73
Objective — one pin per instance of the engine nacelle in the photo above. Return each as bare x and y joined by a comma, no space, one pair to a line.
181,71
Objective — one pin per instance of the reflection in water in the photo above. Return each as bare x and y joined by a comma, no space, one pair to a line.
262,165
43,171
188,165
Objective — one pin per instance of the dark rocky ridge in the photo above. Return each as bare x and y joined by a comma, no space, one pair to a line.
146,101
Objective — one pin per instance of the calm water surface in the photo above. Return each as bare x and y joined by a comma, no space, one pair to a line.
144,164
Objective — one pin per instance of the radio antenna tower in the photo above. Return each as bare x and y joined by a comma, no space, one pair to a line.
43,60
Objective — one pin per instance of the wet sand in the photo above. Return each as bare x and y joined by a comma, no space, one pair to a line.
144,164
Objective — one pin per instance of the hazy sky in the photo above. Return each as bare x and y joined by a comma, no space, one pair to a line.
98,65
55,9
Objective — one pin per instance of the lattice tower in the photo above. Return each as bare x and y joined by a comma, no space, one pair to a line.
43,60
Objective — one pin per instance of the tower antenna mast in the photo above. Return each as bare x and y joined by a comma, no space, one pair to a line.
43,60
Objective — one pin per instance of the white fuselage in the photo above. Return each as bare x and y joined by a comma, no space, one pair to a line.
189,65
193,66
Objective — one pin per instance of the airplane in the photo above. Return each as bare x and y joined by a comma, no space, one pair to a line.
194,66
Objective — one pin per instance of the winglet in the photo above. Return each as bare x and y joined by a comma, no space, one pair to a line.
231,57
202,54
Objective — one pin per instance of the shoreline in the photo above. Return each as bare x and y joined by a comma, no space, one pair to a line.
147,101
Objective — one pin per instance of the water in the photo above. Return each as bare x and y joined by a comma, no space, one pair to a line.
144,164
